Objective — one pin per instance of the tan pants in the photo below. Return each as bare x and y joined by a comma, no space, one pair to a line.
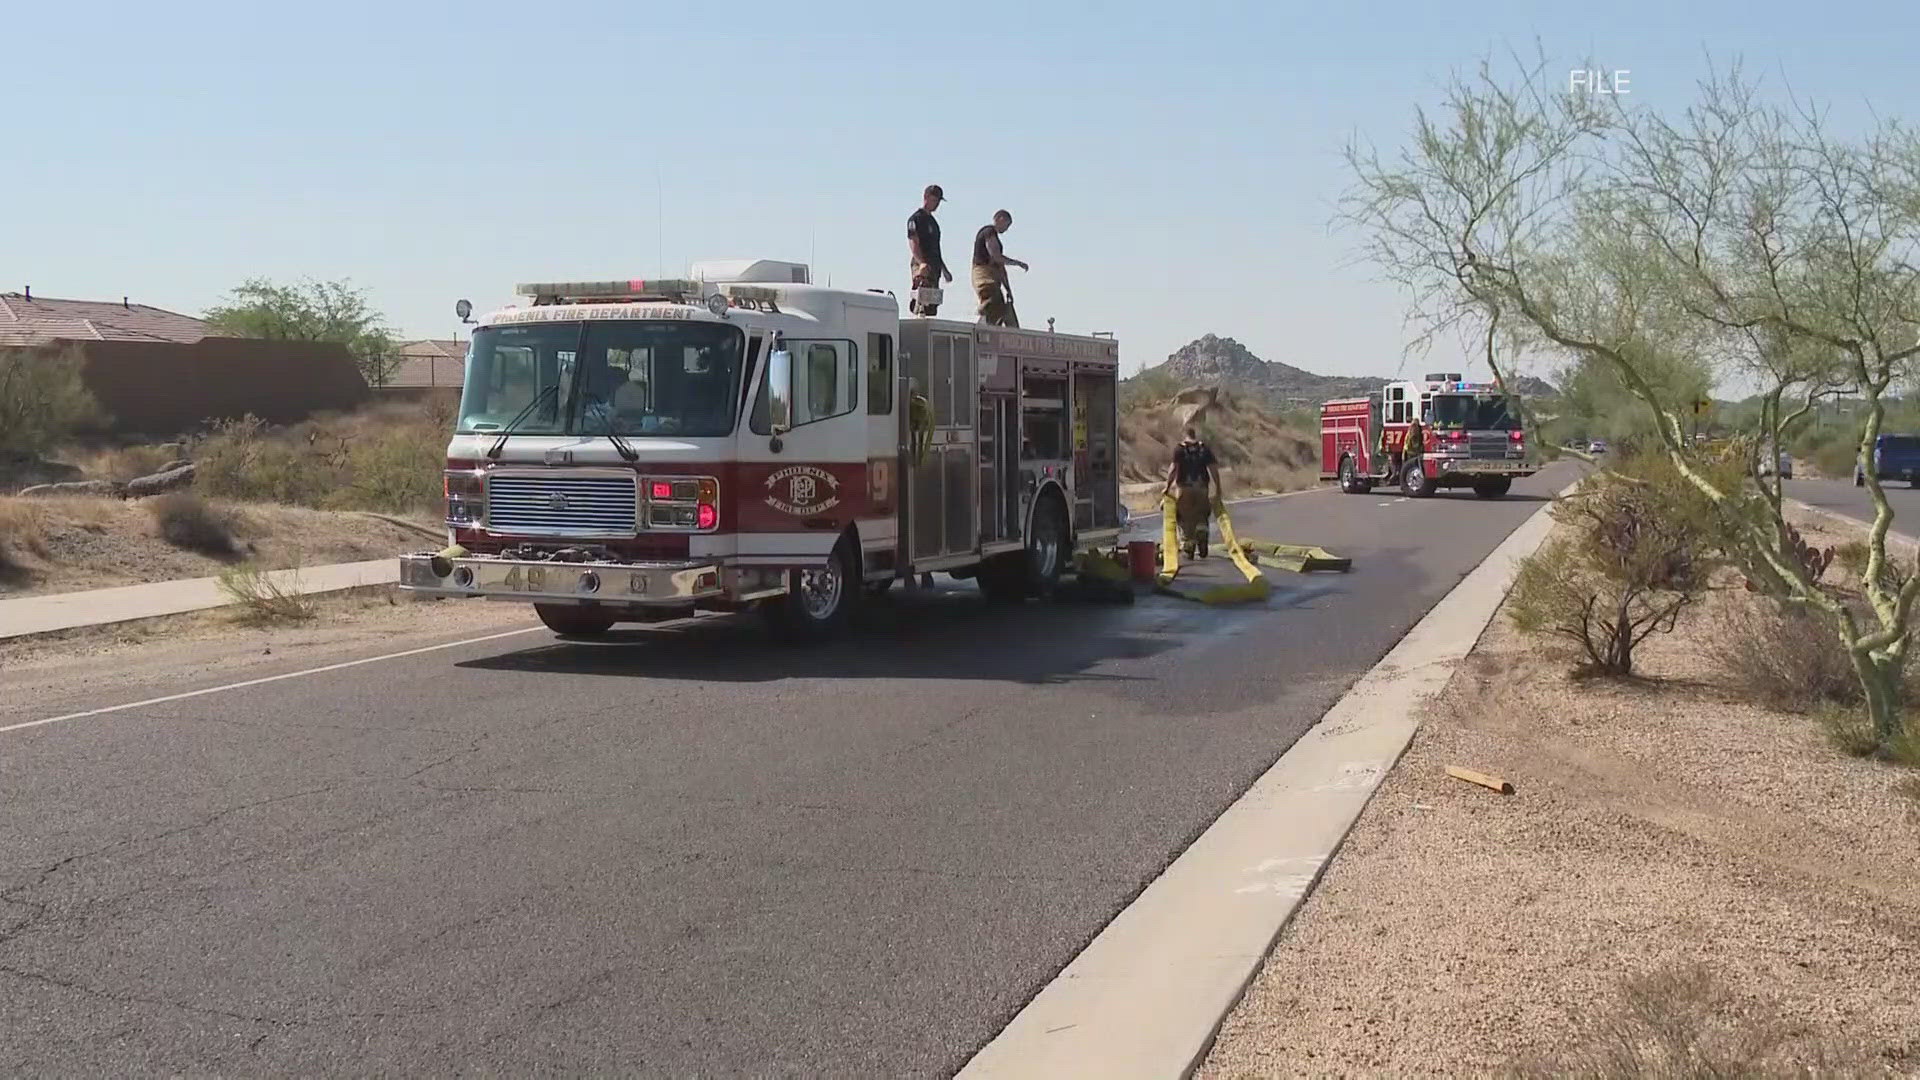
996,308
1192,512
925,276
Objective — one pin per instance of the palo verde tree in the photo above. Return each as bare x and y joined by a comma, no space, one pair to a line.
311,311
1737,238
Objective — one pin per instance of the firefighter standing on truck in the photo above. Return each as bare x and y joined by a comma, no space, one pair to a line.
928,268
1193,469
990,284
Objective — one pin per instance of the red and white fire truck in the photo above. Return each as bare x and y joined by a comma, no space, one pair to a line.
634,451
1471,439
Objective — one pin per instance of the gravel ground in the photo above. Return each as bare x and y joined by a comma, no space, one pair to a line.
1670,848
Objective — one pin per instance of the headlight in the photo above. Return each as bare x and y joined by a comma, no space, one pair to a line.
466,497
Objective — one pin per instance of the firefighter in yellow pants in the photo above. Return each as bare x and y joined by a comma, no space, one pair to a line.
1188,480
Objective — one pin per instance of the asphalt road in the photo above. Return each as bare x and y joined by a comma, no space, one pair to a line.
679,852
1841,497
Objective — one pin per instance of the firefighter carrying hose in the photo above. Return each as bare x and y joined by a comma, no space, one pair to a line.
1193,468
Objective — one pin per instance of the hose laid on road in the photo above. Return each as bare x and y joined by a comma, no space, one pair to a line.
1256,587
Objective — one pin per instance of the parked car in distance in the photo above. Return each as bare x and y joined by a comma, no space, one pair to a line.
1895,457
1782,462
1597,446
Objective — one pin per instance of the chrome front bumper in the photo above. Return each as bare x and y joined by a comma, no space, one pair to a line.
1487,466
671,583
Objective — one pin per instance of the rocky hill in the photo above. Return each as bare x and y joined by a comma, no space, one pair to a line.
1257,448
1224,362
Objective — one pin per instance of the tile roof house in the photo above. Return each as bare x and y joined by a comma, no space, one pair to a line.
428,364
27,320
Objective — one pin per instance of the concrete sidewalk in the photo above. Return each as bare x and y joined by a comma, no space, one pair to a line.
100,607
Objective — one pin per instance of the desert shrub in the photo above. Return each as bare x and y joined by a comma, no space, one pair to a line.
1787,657
241,459
42,399
1640,552
1836,458
185,520
260,599
387,458
1851,732
1683,1024
397,470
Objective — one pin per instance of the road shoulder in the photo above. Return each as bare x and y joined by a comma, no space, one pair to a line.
1680,873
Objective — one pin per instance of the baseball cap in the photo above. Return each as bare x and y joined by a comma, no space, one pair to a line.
934,191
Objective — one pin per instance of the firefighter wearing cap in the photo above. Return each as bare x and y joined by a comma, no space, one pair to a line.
1193,468
928,268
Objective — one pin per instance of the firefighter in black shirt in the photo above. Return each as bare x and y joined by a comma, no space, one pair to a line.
1193,469
929,270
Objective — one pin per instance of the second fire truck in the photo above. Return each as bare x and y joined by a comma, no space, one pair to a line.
1472,439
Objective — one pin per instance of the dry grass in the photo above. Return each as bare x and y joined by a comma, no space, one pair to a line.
93,543
261,598
185,520
387,458
1787,658
123,463
1683,1023
21,534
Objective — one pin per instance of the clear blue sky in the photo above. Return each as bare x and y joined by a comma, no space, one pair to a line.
1172,167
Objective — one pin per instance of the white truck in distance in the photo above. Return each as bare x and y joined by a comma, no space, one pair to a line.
639,450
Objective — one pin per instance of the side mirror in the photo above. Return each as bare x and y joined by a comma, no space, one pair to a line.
780,390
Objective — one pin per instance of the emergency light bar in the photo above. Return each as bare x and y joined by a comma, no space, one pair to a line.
752,296
675,289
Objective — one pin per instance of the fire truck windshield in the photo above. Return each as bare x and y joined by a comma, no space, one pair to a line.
1472,412
632,378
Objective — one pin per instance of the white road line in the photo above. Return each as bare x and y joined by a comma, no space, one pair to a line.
262,681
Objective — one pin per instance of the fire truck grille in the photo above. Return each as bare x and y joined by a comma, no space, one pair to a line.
561,505
1490,444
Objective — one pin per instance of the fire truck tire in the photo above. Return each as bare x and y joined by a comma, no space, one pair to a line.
818,602
1351,481
1493,489
1035,571
1414,481
571,620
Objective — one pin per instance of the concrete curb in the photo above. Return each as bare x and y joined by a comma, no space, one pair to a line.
1147,996
30,616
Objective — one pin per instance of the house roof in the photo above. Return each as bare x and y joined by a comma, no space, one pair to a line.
41,320
429,363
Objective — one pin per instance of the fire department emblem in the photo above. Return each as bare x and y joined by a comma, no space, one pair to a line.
556,501
803,490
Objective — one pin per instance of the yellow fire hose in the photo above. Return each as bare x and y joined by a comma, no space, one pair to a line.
1256,587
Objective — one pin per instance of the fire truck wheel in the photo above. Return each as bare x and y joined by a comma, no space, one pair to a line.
1351,481
1414,481
1493,489
817,602
570,620
1035,571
